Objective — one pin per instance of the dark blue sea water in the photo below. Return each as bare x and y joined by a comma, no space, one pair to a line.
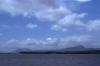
49,59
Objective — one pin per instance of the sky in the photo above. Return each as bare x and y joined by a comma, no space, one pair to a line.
49,24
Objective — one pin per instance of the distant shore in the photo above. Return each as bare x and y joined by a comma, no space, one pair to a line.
65,52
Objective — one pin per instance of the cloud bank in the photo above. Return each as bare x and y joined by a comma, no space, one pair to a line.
49,43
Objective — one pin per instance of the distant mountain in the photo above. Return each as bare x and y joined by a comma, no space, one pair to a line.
76,48
72,50
22,50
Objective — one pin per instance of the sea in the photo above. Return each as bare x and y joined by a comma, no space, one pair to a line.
49,59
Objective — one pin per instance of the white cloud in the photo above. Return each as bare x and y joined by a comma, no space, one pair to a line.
24,7
83,0
53,14
58,27
49,39
31,26
71,20
93,25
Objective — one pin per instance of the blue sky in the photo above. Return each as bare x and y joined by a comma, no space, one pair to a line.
49,21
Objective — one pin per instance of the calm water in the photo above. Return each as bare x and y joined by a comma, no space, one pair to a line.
50,60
